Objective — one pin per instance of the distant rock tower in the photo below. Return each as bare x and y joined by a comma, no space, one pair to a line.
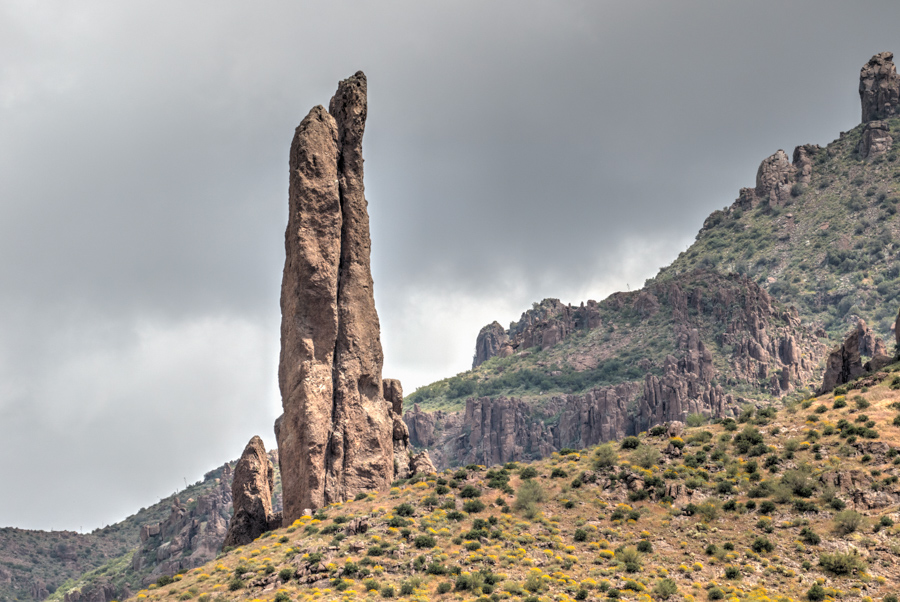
879,88
336,435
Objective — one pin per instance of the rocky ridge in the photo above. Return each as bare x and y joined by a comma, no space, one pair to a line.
725,333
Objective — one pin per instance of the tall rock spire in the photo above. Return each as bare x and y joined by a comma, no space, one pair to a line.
335,436
879,88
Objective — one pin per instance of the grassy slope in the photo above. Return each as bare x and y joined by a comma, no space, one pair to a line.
582,542
832,252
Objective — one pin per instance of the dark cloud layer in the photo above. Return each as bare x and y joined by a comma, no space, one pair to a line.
515,150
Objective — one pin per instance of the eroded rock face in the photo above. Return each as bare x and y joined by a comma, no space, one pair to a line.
544,325
879,87
490,340
777,178
875,139
251,492
844,363
337,435
393,396
774,179
190,537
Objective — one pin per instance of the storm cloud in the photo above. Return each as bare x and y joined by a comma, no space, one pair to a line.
515,151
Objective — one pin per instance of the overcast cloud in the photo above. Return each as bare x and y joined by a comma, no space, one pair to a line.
514,151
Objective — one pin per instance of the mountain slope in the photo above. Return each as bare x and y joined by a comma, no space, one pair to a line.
806,253
791,503
828,246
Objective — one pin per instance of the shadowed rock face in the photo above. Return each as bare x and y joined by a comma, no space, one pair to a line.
335,438
844,363
251,493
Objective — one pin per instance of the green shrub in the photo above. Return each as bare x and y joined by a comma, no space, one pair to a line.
528,472
809,536
282,597
848,521
732,572
605,457
444,587
473,506
644,546
387,591
580,535
646,456
842,564
424,541
816,593
762,544
528,496
287,574
695,420
404,509
469,491
715,593
665,589
165,580
235,584
630,443
558,473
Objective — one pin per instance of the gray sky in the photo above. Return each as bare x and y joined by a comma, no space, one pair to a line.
514,151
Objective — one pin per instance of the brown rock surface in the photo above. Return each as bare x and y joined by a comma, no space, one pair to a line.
879,88
335,438
844,363
251,494
774,179
490,340
875,139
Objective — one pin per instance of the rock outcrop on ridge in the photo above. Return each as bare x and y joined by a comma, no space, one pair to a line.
879,88
845,363
336,435
251,492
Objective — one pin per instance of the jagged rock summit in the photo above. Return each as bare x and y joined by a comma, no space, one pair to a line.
251,493
336,435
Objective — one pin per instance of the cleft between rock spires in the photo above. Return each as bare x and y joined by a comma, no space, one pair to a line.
337,436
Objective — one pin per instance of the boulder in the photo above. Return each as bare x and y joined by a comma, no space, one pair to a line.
251,493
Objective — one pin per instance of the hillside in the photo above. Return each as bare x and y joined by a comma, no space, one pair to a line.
828,246
769,284
34,564
797,502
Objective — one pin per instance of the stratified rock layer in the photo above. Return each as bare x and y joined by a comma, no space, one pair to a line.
335,438
251,494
